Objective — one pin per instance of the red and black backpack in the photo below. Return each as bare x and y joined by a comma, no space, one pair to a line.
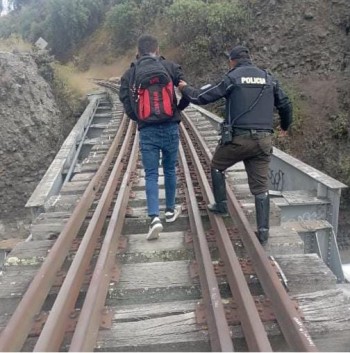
152,90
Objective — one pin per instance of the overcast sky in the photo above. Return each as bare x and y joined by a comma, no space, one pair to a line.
4,5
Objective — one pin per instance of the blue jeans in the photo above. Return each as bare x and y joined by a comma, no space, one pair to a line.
153,139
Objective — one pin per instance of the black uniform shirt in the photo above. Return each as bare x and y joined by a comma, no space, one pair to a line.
251,94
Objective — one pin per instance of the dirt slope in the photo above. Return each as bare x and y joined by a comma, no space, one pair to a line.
30,132
306,44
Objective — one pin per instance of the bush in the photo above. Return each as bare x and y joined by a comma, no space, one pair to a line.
339,126
226,22
63,23
124,20
204,30
7,26
187,19
152,10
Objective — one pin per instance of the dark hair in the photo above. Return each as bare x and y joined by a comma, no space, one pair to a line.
147,44
239,52
243,56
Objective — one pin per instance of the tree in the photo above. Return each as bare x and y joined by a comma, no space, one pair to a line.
70,21
187,19
204,29
226,22
124,20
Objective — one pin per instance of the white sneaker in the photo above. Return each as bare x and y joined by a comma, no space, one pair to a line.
171,215
155,228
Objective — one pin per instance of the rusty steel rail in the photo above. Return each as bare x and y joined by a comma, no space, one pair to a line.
287,316
54,329
253,328
109,84
85,334
219,332
16,331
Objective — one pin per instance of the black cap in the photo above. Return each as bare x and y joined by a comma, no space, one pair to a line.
237,51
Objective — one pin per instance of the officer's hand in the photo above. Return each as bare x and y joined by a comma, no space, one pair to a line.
181,85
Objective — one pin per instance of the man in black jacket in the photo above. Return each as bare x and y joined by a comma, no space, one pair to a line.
158,119
251,95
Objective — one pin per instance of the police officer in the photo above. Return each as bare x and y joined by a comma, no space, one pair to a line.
246,133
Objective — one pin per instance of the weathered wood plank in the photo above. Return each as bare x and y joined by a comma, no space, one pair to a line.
9,244
152,322
51,217
302,197
338,341
169,247
306,226
284,241
15,282
155,275
29,253
61,203
158,278
50,231
153,282
83,176
125,313
325,311
175,332
306,273
74,188
155,323
47,231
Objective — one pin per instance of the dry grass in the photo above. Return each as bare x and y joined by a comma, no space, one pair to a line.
82,82
14,43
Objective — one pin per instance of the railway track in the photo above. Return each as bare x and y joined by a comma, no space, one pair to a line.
206,284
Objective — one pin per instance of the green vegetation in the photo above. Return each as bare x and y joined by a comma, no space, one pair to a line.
294,97
68,95
282,142
339,126
14,42
124,21
66,24
63,23
197,29
210,26
195,33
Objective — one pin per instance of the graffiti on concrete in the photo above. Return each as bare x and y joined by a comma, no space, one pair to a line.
276,179
306,216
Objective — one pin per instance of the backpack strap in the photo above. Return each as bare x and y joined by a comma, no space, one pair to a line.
161,59
133,66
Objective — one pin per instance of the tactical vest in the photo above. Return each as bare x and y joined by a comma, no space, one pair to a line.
250,105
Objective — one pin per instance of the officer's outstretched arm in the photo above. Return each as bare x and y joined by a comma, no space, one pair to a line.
207,94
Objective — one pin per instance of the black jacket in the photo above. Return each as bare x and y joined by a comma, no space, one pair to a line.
251,95
125,93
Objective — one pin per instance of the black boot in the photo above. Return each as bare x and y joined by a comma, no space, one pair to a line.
262,207
219,190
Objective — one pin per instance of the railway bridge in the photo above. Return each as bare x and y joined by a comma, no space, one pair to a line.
86,278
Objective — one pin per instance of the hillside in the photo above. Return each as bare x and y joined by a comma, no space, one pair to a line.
31,132
305,44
